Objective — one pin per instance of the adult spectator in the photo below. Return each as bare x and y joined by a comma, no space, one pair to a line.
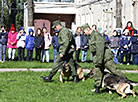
130,28
3,43
78,43
125,47
55,44
84,47
47,43
21,43
134,48
114,45
12,43
29,45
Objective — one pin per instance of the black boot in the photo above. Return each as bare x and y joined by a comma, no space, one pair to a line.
97,90
75,78
47,79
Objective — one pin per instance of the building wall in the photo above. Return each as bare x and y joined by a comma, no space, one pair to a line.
104,15
67,18
52,11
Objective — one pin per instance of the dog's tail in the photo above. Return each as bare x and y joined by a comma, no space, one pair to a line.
134,83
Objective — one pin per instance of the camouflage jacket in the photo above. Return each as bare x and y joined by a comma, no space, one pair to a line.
98,46
66,41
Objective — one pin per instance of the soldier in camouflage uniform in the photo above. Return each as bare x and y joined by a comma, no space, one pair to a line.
67,46
102,56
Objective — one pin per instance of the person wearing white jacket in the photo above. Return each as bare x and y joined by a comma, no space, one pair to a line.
47,43
21,44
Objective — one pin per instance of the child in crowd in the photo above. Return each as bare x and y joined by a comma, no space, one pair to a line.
47,43
119,34
29,45
38,44
114,45
12,43
21,44
134,48
105,36
84,47
125,45
55,44
3,43
78,43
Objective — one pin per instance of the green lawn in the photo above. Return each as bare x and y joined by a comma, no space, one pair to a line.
28,87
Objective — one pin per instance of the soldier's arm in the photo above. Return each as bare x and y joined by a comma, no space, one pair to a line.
100,50
65,43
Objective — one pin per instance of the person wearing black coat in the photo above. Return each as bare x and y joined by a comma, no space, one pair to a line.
3,43
134,48
55,44
84,47
38,44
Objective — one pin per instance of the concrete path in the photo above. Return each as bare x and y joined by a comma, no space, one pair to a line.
48,69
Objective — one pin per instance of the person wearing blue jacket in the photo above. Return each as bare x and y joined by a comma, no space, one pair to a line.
84,47
55,44
105,36
3,43
119,34
29,45
134,48
125,45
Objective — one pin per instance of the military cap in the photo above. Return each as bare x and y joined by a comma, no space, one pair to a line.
55,23
85,26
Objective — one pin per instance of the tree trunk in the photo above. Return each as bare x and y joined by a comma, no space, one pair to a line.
118,14
13,13
30,13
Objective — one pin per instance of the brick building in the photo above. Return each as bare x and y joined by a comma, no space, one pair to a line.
48,11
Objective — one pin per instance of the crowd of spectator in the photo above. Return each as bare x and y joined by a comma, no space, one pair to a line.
122,44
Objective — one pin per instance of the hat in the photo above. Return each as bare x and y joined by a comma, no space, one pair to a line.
118,31
126,31
55,31
83,27
102,32
12,28
55,23
21,28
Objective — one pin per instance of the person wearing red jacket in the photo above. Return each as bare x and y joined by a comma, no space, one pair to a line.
12,43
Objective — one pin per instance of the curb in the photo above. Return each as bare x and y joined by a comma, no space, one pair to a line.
49,69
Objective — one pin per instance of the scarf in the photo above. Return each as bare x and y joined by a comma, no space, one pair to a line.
131,31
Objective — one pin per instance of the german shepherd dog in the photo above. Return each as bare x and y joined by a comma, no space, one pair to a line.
66,72
121,84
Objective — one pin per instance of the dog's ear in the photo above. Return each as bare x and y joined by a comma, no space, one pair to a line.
63,64
66,64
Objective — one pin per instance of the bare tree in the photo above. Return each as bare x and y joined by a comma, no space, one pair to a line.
118,14
30,13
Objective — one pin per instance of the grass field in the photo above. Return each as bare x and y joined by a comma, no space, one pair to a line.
28,87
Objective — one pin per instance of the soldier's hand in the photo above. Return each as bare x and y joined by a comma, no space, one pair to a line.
60,55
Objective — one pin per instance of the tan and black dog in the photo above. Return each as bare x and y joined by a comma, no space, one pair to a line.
122,85
66,72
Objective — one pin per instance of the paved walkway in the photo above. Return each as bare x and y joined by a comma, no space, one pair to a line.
49,69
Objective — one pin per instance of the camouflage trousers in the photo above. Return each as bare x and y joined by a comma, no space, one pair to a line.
110,66
59,62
